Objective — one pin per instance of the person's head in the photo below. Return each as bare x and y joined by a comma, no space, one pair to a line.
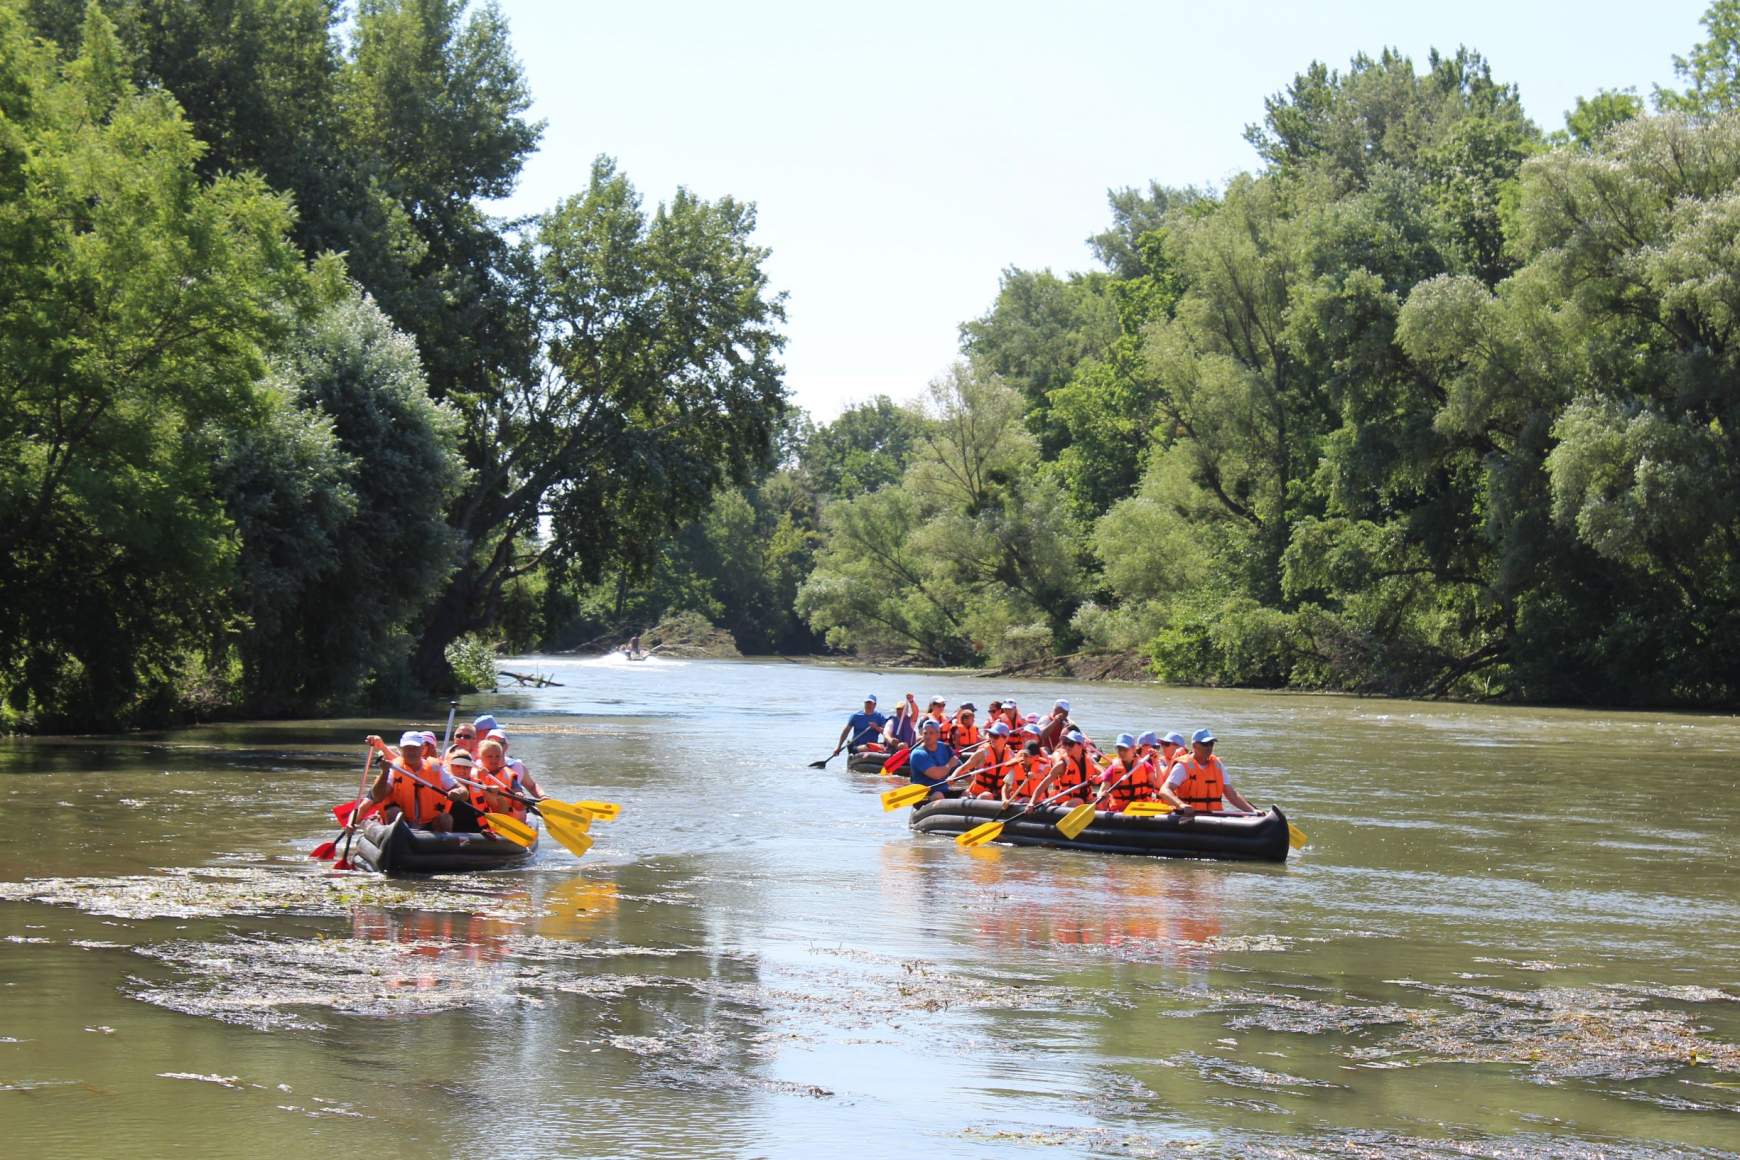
499,737
870,703
431,743
484,724
465,736
1202,744
931,732
1030,730
1060,708
937,704
994,708
1174,739
1031,749
1073,742
411,747
965,713
998,732
1125,745
1148,740
491,755
459,762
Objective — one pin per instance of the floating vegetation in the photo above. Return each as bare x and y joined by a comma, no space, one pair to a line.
1359,1145
217,892
1245,1075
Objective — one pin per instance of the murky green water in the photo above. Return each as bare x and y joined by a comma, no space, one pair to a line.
1514,932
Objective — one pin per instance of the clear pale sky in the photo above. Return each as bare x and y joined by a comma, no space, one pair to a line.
902,155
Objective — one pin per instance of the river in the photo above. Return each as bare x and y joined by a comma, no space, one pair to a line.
1514,932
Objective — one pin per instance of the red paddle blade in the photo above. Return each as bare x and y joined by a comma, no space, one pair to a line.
343,812
324,851
343,864
898,760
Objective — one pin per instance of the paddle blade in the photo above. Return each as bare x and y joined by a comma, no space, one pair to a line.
511,828
980,834
1073,823
603,811
1148,809
906,795
1296,837
566,811
898,760
343,812
323,851
575,841
343,864
823,763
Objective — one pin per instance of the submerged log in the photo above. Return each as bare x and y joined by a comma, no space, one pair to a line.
536,680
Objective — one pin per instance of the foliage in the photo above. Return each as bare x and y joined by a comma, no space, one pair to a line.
134,317
473,659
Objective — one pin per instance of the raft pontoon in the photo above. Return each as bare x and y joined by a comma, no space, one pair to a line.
1242,837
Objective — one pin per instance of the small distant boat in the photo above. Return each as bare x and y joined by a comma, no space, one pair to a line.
395,848
635,656
1258,837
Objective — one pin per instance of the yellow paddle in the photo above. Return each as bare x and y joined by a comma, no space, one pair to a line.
511,828
1073,823
991,831
573,839
603,811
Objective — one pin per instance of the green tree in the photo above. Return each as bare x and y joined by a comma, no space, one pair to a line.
134,316
1711,71
867,447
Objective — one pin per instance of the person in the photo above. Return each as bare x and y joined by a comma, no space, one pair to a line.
414,787
1172,750
937,713
862,728
961,733
1128,778
494,774
1070,767
633,649
1032,772
932,761
465,739
1052,729
1198,784
994,713
1011,713
463,767
991,765
528,784
901,732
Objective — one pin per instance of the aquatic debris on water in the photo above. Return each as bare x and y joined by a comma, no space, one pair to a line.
216,892
234,1082
1355,1144
1245,1075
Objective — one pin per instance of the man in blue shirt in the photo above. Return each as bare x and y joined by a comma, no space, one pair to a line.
862,728
932,761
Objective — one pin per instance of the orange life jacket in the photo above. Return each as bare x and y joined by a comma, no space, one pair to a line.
419,804
1121,790
1072,776
960,736
1029,779
988,778
492,803
1204,782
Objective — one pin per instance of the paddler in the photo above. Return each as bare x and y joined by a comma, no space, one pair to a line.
961,733
1129,778
1052,729
937,712
493,771
931,762
991,766
1070,774
901,732
1198,784
426,806
862,728
528,783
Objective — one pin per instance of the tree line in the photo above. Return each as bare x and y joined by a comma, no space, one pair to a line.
1432,403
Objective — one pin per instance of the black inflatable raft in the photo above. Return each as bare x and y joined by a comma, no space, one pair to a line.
866,762
1252,838
396,848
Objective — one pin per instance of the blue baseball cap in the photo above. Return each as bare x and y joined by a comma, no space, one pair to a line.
998,729
1148,739
929,723
484,724
1174,738
871,699
1030,729
1074,737
1124,741
1202,737
1061,704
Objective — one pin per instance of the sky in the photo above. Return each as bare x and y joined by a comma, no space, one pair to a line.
903,155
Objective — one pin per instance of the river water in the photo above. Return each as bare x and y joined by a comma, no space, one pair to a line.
1513,932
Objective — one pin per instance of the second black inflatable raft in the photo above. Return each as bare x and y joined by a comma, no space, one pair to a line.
1252,838
396,848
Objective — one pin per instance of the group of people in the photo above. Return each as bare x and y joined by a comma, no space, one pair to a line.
420,783
1031,759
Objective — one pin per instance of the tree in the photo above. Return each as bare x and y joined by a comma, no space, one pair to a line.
660,385
137,306
867,447
1711,70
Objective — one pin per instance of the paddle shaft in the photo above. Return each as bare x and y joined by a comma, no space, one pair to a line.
447,737
361,789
